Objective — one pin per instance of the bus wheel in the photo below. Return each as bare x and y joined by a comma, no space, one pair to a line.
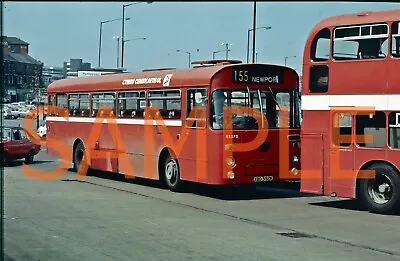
171,174
382,194
79,152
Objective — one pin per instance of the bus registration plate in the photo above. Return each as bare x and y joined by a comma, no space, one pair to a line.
263,178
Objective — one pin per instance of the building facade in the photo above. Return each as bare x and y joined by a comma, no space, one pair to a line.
22,74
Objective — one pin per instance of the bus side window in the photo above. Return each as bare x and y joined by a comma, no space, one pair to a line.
341,129
51,105
320,47
395,40
105,101
319,79
168,103
394,130
196,98
62,102
129,104
373,125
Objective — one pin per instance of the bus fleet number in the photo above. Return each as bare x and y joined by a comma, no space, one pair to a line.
263,178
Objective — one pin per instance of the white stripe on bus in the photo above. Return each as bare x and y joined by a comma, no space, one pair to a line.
176,123
384,102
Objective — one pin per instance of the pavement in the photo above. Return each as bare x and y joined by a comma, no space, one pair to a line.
105,217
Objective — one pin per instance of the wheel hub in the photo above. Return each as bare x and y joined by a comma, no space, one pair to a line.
171,171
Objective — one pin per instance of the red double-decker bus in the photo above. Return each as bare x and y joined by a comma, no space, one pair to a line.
351,116
211,86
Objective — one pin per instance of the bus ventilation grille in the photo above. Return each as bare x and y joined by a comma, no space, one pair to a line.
294,235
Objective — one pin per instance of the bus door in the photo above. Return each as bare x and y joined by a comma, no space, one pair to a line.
194,151
338,174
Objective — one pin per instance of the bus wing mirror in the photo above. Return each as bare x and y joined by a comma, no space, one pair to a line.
199,98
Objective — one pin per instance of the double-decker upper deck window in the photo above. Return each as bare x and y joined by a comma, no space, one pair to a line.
79,105
320,47
131,104
167,102
104,101
395,39
61,102
360,42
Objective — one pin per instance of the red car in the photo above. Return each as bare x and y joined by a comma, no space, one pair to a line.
16,145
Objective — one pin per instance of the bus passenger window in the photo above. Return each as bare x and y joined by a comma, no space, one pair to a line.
360,42
373,125
341,129
62,102
196,98
395,40
51,106
129,104
168,103
320,47
319,79
103,104
79,105
394,130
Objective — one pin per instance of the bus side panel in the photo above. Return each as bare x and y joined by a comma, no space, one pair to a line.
193,157
312,166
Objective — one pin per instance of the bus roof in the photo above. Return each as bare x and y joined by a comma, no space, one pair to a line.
358,18
199,76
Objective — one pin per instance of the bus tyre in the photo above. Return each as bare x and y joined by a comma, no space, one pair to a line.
79,152
171,174
382,194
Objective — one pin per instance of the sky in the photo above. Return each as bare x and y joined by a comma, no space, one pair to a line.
58,31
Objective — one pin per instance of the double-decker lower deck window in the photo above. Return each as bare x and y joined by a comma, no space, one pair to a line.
131,104
79,105
105,101
167,102
373,125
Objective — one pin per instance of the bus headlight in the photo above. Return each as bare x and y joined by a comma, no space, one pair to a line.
230,161
295,159
231,175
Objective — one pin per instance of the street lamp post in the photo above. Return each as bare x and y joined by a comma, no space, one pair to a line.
118,38
287,57
123,28
254,28
248,38
100,34
227,48
189,54
215,52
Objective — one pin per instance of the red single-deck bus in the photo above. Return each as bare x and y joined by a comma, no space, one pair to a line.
212,85
350,87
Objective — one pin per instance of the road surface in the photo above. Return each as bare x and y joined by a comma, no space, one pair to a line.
103,217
